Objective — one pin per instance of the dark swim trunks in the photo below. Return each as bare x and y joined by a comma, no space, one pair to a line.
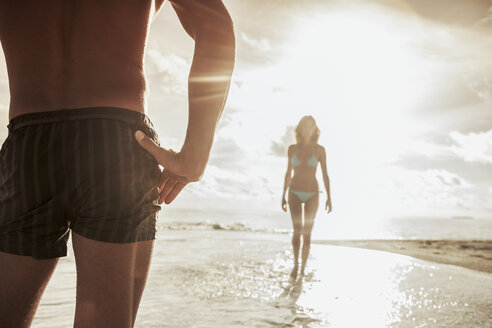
78,169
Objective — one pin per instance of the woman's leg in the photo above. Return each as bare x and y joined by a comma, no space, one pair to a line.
295,207
310,209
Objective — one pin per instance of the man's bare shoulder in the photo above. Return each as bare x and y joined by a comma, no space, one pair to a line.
74,54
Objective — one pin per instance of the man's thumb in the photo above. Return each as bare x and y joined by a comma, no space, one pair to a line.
163,156
149,145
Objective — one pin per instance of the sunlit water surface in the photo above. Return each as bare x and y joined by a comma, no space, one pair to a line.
210,278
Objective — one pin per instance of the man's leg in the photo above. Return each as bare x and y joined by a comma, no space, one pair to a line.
23,280
110,281
142,264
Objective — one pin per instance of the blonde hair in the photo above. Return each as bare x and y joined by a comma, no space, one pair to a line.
305,120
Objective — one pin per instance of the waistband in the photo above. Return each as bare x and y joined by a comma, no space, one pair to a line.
62,115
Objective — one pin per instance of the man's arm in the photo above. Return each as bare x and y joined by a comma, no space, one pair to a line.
210,26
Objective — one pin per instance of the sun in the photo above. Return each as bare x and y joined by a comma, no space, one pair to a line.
357,73
356,58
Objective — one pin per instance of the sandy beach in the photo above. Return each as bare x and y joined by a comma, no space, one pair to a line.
232,270
471,254
217,278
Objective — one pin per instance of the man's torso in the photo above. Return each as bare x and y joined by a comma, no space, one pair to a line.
75,54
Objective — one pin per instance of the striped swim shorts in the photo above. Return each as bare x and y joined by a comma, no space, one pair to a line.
76,169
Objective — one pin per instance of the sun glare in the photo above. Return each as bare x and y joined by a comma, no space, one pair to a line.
358,63
358,76
359,73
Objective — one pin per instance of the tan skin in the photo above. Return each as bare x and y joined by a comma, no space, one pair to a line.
76,54
304,179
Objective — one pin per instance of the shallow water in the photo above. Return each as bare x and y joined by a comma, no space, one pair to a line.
331,226
210,278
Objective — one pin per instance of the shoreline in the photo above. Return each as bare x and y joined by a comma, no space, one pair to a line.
471,254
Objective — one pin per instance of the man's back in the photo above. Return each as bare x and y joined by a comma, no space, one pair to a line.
75,54
94,170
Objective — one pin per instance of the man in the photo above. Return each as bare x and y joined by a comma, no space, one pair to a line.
72,161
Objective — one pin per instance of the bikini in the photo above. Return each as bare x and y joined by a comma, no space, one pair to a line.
294,161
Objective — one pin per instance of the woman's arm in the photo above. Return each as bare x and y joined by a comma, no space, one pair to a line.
326,179
288,177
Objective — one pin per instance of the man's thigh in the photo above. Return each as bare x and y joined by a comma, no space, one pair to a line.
22,283
110,280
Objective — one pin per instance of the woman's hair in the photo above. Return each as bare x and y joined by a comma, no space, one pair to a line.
306,120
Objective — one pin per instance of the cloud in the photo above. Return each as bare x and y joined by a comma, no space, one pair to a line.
226,152
456,12
441,178
4,120
168,72
260,44
428,192
4,97
430,181
473,147
480,70
279,148
479,76
222,182
487,20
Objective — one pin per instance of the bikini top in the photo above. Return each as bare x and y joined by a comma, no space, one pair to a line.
313,161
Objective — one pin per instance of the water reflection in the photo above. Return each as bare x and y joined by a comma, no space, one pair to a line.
301,317
350,287
245,282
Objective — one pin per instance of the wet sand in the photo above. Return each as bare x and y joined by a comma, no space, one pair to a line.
218,278
472,254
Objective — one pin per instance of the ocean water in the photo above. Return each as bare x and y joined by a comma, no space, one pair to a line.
331,226
233,271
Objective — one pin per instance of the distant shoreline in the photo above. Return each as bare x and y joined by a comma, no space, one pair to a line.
471,254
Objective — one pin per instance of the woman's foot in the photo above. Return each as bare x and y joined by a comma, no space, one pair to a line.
293,274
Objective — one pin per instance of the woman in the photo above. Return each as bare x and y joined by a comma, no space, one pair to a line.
303,158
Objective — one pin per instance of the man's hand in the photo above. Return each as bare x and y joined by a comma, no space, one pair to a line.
178,171
328,206
171,185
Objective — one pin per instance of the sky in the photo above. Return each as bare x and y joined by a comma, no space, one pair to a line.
401,91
